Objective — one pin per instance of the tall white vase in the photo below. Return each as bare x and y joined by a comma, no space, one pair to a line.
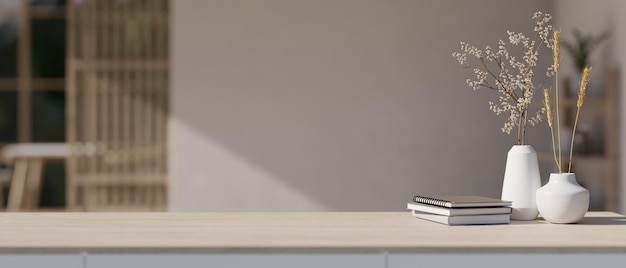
562,199
521,181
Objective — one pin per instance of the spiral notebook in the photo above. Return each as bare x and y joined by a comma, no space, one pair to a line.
461,201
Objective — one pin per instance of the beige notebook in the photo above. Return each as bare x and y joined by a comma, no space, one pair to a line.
461,201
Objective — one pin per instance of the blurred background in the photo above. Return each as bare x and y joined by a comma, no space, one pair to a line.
280,105
84,104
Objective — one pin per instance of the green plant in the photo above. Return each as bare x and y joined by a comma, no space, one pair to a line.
581,48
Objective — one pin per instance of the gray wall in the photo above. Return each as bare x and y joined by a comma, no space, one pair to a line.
333,104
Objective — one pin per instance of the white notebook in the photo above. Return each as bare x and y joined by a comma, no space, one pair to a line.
464,220
457,211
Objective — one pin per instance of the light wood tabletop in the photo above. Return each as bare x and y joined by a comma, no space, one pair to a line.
386,232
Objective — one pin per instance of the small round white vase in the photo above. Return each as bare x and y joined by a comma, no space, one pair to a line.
521,181
562,199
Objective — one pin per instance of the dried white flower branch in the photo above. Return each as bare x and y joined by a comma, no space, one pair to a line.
499,70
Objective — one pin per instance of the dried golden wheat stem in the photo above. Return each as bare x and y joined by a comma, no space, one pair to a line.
548,103
557,60
556,53
581,99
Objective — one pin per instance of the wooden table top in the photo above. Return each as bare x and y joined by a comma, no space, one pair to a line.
358,232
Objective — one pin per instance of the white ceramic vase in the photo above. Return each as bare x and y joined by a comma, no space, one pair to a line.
521,181
562,199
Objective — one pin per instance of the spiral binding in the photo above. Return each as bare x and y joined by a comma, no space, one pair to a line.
432,201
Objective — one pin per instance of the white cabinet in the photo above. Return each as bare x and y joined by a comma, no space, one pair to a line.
41,260
167,260
508,260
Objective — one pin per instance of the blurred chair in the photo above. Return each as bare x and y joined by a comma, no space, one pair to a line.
27,161
117,83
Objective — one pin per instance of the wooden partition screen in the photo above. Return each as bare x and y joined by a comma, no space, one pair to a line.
117,104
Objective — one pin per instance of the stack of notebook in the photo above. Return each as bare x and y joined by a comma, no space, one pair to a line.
461,210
